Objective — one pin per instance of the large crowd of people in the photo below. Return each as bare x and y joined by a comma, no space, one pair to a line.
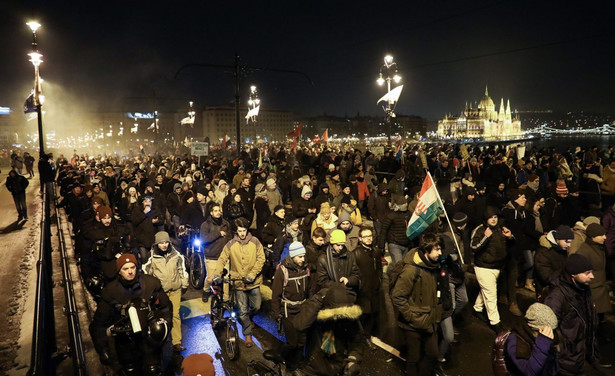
315,226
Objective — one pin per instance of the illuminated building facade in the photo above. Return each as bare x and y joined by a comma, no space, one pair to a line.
482,121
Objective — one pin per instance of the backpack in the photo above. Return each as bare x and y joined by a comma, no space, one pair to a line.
497,354
286,302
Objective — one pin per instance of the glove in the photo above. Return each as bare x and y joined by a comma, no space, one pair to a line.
216,280
249,279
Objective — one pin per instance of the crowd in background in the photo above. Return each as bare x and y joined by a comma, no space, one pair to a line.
317,224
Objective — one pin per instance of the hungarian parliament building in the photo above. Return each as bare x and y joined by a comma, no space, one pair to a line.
482,121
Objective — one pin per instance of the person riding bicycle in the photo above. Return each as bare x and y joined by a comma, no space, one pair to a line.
291,288
246,258
136,353
168,265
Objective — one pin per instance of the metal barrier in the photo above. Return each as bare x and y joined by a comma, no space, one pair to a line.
43,331
44,346
74,328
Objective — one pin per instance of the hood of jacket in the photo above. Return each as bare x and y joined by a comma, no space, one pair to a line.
341,313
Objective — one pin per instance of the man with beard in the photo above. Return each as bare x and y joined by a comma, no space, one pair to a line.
135,354
107,236
350,230
551,257
168,265
215,233
570,299
369,261
416,296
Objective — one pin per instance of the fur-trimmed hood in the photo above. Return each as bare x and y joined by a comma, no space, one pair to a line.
341,313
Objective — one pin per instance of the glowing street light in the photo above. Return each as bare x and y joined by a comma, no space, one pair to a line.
388,73
254,103
36,60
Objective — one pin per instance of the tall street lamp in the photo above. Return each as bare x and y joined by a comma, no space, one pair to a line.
35,58
388,73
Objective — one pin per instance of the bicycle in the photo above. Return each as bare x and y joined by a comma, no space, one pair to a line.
195,258
260,368
217,314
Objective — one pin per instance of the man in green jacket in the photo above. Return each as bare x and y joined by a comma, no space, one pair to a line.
416,296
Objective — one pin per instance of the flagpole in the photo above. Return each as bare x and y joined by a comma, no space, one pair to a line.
447,220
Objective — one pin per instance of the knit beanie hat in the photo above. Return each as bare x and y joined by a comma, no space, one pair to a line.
515,194
325,208
539,315
305,190
563,232
104,211
161,237
460,219
490,211
198,365
176,186
591,219
125,259
594,229
270,181
344,216
532,177
577,263
277,208
202,190
561,189
337,236
346,200
296,249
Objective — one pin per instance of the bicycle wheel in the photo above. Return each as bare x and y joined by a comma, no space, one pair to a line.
232,349
216,312
197,271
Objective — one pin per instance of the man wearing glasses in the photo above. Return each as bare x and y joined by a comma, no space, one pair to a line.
338,266
551,256
369,261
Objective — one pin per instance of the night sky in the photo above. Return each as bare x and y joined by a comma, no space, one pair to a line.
557,55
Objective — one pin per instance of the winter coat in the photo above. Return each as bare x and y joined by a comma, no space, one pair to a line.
288,293
211,236
522,226
608,222
489,252
352,236
274,227
246,258
363,191
369,261
578,322
312,253
600,293
169,267
173,203
193,214
16,184
262,216
415,294
354,213
608,182
526,355
333,265
325,224
117,294
579,237
275,198
378,205
393,229
549,261
143,226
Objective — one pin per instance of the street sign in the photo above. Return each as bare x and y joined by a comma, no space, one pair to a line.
200,148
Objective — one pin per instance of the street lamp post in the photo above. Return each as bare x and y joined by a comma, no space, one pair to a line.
388,73
254,103
35,58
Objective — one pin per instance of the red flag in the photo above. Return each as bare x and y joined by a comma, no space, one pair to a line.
325,136
316,139
294,145
296,133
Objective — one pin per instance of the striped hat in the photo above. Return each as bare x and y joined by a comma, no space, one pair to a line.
561,189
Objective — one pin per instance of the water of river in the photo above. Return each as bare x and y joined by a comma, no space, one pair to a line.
561,142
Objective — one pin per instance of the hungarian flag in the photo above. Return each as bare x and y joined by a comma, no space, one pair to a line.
296,133
325,136
427,209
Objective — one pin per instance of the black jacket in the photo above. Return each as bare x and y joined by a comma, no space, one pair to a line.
118,293
274,227
578,322
393,229
212,239
369,261
16,184
289,294
489,252
332,266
